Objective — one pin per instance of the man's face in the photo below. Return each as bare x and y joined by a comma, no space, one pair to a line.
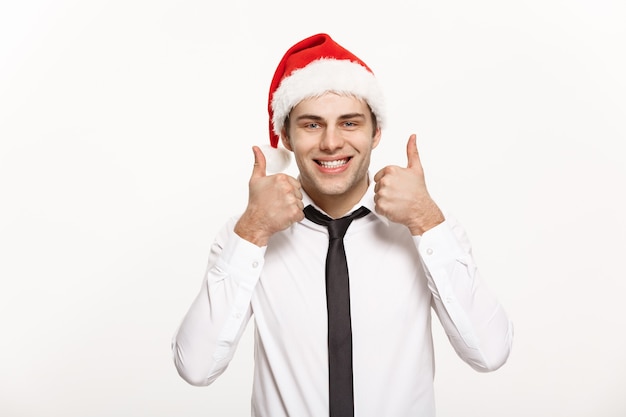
332,138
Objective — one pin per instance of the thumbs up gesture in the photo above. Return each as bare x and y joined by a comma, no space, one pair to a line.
274,203
401,194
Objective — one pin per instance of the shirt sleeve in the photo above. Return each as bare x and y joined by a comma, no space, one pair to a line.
476,324
205,341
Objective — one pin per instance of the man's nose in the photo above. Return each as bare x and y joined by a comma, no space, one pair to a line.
332,139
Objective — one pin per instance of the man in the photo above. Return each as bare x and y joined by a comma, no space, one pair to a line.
368,351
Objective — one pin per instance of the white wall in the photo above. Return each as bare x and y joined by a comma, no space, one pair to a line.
125,135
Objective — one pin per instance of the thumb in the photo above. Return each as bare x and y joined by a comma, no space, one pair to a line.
412,155
259,169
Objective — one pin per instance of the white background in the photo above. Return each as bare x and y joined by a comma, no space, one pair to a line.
126,128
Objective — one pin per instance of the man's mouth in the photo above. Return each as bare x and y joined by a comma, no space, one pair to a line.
333,164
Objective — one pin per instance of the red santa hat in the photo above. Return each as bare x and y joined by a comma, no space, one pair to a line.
310,68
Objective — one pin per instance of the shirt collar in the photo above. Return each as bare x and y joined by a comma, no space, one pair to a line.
366,201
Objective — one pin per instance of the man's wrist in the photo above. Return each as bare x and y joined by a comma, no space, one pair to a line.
251,232
426,222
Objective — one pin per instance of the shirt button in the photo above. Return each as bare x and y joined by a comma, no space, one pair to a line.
255,264
429,251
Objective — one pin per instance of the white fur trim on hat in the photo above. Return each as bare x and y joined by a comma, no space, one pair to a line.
326,75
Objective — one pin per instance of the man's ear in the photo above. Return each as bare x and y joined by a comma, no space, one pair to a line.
285,139
376,138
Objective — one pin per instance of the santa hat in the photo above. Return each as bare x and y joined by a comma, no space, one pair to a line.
310,68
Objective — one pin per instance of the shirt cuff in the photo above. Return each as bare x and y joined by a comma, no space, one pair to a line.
242,260
438,246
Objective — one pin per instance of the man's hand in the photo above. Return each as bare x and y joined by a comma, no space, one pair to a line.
402,197
274,203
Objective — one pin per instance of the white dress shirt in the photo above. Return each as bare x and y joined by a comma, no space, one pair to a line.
395,279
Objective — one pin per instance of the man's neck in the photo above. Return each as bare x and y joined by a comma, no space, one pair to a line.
337,206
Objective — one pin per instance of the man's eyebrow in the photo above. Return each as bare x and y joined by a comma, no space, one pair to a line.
320,118
309,117
352,116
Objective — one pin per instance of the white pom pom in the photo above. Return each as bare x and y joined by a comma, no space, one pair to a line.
277,159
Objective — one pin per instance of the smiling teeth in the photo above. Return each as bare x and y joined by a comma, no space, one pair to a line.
333,164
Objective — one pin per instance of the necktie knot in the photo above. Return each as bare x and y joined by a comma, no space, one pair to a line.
337,228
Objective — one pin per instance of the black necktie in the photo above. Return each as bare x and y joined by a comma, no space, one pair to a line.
341,393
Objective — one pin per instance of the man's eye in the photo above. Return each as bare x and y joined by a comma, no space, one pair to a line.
313,125
349,124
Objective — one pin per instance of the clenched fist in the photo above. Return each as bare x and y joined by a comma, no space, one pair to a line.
274,203
402,197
